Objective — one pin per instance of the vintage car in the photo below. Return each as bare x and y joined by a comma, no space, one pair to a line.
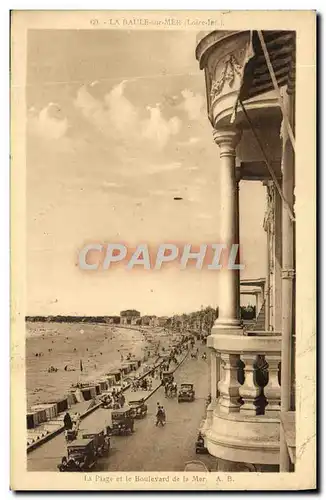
200,444
167,377
80,457
138,408
71,434
101,441
122,421
186,393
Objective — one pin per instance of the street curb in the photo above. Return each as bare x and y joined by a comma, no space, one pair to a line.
58,431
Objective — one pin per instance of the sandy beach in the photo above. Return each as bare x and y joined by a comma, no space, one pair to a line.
97,346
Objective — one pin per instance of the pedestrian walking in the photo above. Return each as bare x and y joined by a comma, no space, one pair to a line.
67,422
122,400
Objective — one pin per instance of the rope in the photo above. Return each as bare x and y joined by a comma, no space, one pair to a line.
269,166
277,90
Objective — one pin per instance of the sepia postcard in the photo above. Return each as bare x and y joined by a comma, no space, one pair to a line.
163,245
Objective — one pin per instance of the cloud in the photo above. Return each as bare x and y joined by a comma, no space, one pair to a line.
123,115
48,123
118,118
192,104
97,112
159,130
190,142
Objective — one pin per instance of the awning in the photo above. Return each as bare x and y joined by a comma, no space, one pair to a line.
256,78
269,64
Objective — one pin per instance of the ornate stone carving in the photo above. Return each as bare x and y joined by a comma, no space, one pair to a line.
229,72
211,39
288,274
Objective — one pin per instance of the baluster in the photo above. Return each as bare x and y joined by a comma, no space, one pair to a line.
229,386
272,390
249,391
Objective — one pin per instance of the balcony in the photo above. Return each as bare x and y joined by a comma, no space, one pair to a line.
247,73
243,422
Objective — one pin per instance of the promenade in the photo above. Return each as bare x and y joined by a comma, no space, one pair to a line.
149,447
50,428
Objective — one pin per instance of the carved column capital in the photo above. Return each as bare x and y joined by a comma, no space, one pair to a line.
288,274
227,140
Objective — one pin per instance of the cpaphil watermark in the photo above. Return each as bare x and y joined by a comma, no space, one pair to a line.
215,256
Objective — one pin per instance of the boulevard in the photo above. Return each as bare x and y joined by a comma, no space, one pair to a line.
149,448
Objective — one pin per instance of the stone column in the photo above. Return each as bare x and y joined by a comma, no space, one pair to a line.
257,303
237,211
260,299
277,259
229,280
288,274
268,283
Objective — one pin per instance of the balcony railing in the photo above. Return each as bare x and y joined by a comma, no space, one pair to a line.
250,374
243,421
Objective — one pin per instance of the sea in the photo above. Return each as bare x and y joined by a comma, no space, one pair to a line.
87,351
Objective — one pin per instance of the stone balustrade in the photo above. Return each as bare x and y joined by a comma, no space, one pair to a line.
244,420
249,378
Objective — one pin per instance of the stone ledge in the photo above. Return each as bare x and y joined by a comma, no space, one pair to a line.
240,417
235,344
248,440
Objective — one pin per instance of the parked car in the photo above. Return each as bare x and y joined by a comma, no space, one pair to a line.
186,393
122,421
80,457
71,434
138,408
101,441
167,377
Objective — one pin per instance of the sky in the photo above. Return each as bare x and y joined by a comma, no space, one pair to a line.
116,128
